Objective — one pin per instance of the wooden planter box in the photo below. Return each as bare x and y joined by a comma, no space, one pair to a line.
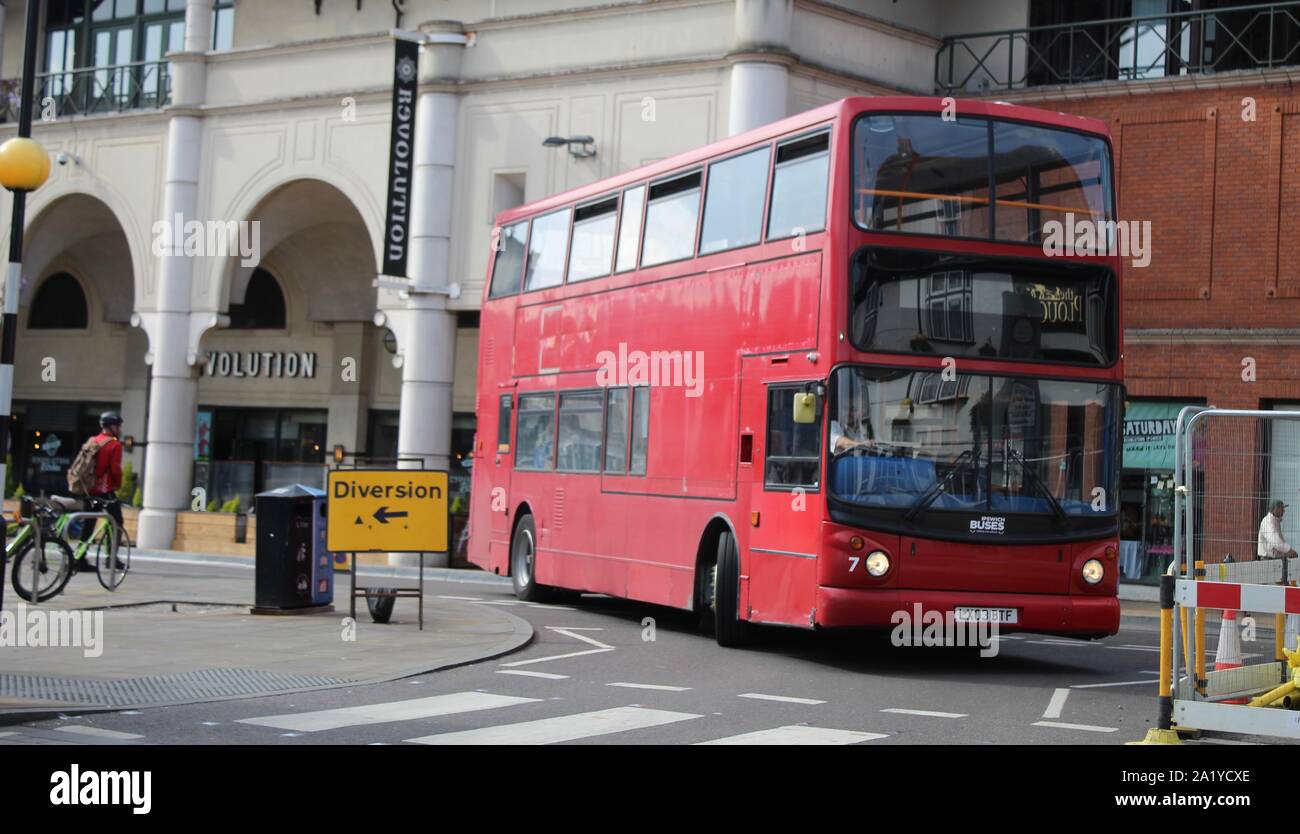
214,533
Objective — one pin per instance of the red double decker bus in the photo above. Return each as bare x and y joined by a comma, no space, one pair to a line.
816,374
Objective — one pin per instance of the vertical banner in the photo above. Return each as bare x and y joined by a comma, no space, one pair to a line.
401,150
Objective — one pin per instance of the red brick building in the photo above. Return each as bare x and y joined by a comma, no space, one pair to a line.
1214,317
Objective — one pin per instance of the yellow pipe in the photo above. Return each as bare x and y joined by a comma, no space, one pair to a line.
1187,643
1166,652
1276,695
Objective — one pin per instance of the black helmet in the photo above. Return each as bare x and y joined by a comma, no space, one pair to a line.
110,418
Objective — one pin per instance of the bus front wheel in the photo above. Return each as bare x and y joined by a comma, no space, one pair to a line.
523,562
728,628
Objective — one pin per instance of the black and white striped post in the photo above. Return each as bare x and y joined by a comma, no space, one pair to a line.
24,166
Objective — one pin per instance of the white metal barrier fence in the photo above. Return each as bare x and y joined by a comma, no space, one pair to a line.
1232,554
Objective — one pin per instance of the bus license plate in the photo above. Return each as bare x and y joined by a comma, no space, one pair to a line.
1001,616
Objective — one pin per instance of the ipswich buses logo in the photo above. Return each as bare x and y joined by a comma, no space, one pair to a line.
988,524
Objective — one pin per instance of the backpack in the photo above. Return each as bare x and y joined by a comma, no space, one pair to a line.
81,474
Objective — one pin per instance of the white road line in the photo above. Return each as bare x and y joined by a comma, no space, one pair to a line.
555,657
925,713
1056,643
7,733
502,602
1057,703
548,675
1086,727
798,734
571,632
99,732
462,599
549,607
333,719
783,698
563,728
1135,648
657,686
1147,682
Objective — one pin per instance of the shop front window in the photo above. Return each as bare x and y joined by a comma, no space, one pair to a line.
1147,490
256,449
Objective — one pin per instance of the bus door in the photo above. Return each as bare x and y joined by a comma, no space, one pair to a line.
497,464
785,497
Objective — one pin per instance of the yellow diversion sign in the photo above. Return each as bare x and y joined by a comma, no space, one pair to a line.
399,510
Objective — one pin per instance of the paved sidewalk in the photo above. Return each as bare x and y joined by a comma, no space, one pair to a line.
179,630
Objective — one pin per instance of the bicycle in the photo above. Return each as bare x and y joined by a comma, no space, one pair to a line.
58,558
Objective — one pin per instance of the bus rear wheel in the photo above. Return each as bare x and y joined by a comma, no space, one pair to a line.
523,562
728,628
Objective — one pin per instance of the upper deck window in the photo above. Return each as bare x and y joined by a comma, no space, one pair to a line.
546,250
592,251
733,207
629,229
509,263
799,187
975,178
670,221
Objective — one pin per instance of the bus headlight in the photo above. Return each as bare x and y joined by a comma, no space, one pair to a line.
1093,571
878,563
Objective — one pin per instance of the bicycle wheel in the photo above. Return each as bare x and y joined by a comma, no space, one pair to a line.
111,576
53,570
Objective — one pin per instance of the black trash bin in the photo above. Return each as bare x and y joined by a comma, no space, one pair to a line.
293,569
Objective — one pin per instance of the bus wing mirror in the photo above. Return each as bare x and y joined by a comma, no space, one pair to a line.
805,408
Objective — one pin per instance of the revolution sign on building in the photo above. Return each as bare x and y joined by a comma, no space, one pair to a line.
394,511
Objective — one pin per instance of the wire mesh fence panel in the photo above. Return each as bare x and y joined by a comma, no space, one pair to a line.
1242,476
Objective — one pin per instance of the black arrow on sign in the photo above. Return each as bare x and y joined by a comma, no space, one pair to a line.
382,514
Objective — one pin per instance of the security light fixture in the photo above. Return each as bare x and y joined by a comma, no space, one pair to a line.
580,147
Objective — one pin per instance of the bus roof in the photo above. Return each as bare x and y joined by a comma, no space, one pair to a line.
808,119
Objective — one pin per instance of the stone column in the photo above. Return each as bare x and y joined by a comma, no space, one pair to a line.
173,387
760,80
427,335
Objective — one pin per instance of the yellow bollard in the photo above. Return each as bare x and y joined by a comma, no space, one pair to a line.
1164,733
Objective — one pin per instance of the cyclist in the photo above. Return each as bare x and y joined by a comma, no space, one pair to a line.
103,481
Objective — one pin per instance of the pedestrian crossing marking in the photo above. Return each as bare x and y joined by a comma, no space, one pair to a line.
563,728
798,734
436,705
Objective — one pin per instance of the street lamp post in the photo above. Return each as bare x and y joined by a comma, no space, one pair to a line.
24,166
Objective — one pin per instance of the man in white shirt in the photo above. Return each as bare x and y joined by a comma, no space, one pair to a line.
855,432
1272,544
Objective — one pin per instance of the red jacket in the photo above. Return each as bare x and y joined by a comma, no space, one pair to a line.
108,465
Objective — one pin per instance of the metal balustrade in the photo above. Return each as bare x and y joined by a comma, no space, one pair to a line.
1247,37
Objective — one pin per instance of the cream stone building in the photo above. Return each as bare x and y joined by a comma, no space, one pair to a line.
239,378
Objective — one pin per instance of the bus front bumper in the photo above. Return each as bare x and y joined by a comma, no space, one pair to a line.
1073,615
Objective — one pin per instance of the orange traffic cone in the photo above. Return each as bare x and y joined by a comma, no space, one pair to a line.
1229,654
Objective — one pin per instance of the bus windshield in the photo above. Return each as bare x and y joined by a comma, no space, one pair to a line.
917,442
976,178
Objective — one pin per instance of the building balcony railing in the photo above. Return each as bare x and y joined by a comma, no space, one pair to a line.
91,90
1246,37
